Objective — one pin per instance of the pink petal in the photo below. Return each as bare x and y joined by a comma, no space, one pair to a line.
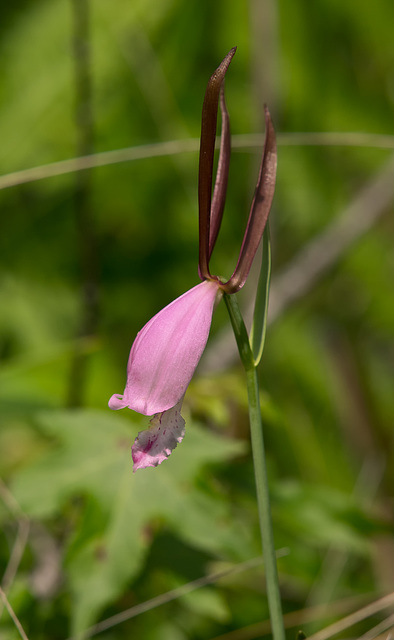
155,444
166,352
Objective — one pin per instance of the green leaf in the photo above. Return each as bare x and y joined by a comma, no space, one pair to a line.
257,334
92,459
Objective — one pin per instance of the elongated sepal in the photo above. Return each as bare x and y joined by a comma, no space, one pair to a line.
259,212
221,181
207,149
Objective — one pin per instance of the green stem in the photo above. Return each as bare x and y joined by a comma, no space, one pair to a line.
263,501
260,468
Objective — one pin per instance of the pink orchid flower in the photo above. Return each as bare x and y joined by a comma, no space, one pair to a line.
167,350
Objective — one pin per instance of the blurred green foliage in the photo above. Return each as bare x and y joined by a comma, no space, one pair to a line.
112,539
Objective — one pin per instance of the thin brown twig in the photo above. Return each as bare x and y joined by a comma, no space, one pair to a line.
174,594
295,618
16,553
13,615
384,625
164,599
367,611
9,500
102,159
298,618
21,537
244,143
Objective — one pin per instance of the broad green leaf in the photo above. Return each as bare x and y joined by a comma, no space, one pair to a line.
92,458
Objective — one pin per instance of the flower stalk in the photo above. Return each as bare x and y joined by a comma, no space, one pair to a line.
260,467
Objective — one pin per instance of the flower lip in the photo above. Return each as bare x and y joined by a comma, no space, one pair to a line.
154,445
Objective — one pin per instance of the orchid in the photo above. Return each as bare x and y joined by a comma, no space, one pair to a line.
167,350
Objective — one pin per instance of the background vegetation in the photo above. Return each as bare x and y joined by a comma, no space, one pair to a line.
87,257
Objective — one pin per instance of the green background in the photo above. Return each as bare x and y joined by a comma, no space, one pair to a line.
86,258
